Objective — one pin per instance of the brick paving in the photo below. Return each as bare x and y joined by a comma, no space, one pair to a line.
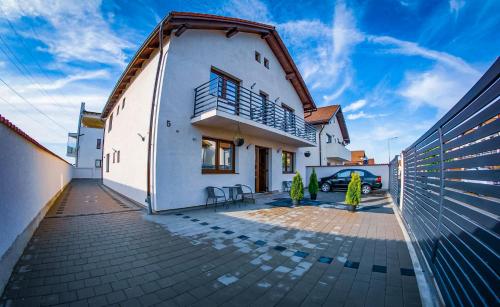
96,252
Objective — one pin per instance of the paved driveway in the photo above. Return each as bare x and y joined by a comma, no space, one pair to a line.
112,254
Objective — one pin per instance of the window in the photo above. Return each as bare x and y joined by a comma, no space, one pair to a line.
98,145
110,124
287,162
328,138
289,118
266,63
118,156
225,87
217,156
257,56
264,98
117,110
344,174
114,156
123,103
107,163
98,163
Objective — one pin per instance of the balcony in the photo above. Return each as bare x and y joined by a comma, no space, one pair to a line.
218,104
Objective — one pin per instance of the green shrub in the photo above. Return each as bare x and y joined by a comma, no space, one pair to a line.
297,189
313,183
353,195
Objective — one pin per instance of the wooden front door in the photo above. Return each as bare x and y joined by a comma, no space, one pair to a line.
261,169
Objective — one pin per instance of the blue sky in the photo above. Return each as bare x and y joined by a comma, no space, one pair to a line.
394,66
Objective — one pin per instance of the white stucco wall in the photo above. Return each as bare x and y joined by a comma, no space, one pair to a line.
88,153
329,150
129,175
179,181
378,170
31,177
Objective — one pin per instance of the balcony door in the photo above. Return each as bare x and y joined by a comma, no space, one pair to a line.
261,169
227,89
288,119
264,106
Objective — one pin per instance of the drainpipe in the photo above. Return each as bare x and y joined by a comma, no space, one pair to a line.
320,156
82,107
150,135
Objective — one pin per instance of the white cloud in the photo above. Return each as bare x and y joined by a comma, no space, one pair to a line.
362,114
74,30
60,83
456,6
355,105
440,87
253,10
411,48
297,32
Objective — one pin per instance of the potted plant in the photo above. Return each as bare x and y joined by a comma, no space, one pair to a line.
353,195
297,189
313,185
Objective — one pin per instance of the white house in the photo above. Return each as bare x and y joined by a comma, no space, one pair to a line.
332,136
206,101
86,145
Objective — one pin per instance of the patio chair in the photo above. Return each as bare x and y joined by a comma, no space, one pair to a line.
245,192
215,194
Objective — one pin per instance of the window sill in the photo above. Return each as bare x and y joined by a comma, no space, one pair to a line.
218,173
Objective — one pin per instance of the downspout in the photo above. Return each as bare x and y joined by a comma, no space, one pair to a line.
150,134
320,156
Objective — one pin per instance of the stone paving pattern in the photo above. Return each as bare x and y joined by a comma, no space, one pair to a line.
242,256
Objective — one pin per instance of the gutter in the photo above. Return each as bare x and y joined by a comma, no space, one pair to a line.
150,134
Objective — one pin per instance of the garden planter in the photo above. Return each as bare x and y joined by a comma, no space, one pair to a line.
351,208
295,202
313,196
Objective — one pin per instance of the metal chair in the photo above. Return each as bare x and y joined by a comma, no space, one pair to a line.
245,192
214,193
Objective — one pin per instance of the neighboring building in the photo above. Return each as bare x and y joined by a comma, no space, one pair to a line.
183,105
86,145
332,136
358,157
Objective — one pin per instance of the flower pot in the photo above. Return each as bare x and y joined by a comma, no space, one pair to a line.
351,208
295,202
313,196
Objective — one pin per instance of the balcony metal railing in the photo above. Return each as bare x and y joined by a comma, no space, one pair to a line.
217,94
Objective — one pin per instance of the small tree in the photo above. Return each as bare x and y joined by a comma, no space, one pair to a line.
313,184
297,189
353,195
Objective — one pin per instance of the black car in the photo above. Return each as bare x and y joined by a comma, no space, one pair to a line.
340,180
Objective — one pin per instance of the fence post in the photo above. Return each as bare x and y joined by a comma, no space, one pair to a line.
402,184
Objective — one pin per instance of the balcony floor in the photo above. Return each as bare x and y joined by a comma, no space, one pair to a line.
220,119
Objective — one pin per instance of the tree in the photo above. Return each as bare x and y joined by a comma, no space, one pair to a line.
297,189
313,184
353,195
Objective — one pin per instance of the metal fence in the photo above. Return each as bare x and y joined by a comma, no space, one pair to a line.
394,180
451,196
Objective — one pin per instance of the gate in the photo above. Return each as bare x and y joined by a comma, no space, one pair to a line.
394,180
451,196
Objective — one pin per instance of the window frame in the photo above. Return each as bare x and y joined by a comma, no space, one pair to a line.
98,165
225,78
118,156
329,138
98,145
110,123
123,103
266,63
217,169
285,169
258,56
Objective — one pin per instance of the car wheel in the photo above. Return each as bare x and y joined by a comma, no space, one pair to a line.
366,189
325,187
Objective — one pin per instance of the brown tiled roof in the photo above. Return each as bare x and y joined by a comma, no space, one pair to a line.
324,114
25,136
181,21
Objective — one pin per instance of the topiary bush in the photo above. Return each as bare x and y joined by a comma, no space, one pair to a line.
313,185
353,195
297,190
